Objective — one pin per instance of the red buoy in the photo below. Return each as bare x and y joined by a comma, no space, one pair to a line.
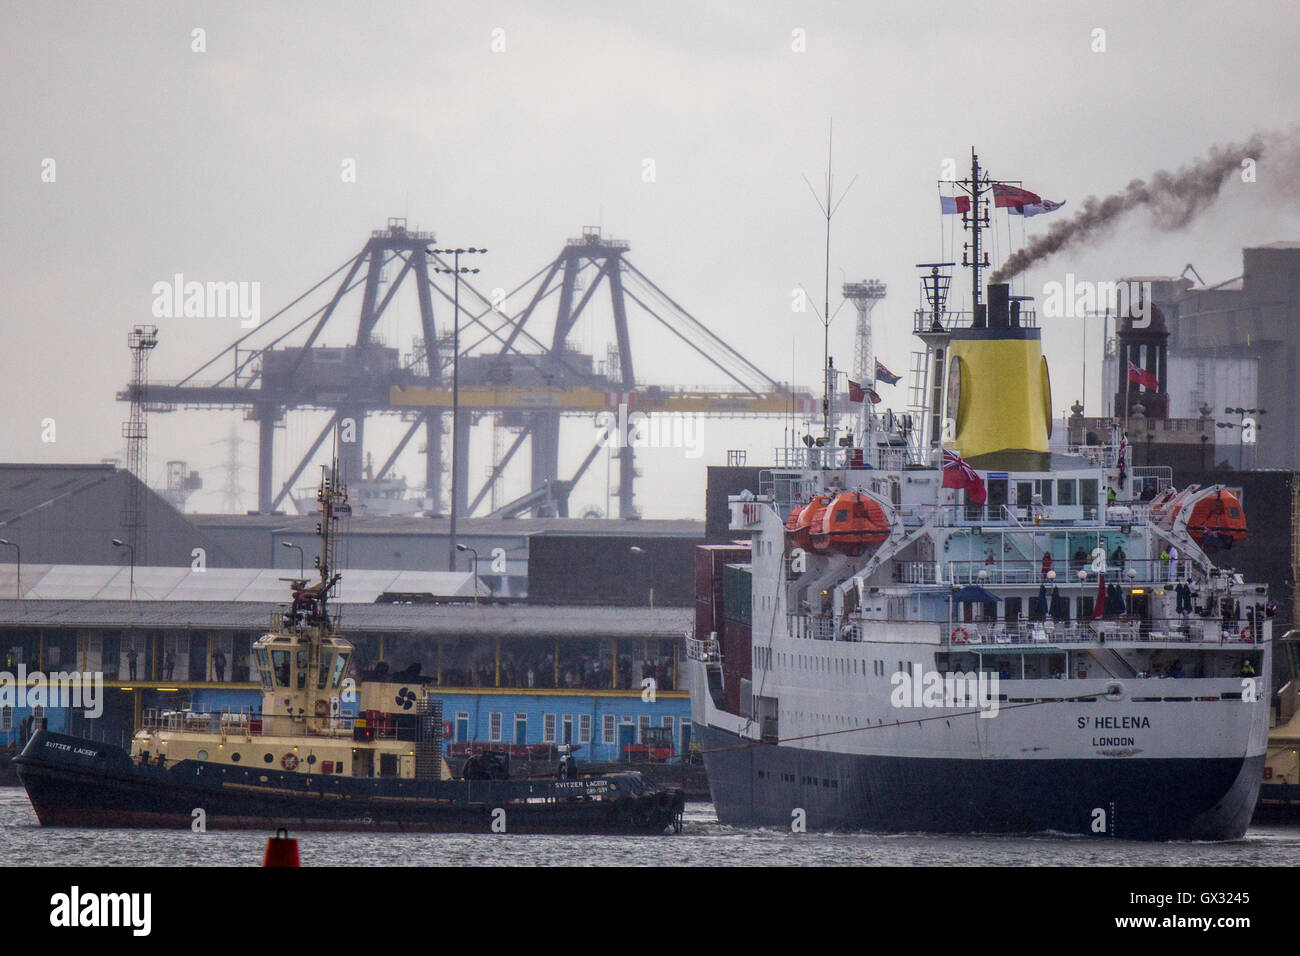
281,850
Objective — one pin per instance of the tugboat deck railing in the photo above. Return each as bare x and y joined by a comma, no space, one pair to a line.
245,725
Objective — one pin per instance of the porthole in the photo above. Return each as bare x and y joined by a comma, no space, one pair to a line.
267,758
311,759
234,757
202,755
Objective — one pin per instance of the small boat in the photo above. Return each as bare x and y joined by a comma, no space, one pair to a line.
308,761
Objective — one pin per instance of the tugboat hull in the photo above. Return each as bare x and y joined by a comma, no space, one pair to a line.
79,783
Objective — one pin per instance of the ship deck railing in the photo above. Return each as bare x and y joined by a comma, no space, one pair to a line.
706,650
248,725
1001,635
1138,572
924,321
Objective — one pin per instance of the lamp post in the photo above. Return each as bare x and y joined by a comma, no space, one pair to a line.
455,271
1247,414
302,564
18,585
465,547
637,549
118,542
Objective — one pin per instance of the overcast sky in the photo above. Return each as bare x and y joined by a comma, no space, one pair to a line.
226,164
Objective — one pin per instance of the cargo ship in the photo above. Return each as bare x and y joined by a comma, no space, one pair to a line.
946,626
308,760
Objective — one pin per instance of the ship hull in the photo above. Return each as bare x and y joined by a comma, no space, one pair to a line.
78,783
1138,799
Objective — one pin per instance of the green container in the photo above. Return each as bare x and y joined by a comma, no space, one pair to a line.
737,588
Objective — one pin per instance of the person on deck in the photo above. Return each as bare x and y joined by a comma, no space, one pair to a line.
1118,556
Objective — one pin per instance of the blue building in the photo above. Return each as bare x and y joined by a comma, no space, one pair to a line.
518,677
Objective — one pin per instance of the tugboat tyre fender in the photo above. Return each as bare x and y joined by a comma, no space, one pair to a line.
1114,690
289,761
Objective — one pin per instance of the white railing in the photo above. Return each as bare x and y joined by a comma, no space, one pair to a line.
706,650
918,572
996,634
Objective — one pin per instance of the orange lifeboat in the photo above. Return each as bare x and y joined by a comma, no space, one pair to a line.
803,520
1218,521
792,522
853,523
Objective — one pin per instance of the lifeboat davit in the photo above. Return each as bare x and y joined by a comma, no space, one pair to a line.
1217,521
853,523
803,520
1160,505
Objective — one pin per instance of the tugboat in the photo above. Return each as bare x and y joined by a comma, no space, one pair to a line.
981,634
306,762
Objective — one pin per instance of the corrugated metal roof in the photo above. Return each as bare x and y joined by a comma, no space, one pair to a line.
435,620
26,487
67,582
467,527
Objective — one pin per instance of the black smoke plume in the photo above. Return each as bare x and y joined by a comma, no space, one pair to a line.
1174,200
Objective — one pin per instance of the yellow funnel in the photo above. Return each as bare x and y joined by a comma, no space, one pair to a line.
999,396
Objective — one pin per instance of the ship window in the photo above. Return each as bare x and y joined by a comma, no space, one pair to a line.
263,666
340,668
1043,486
1088,492
281,660
326,659
1065,491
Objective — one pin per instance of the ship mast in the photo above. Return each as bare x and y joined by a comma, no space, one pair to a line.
976,225
978,186
333,499
828,209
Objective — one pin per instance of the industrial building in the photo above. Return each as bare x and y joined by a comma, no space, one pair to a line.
579,673
1226,357
613,599
70,514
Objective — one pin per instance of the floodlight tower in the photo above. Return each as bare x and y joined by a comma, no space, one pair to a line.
864,295
141,340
